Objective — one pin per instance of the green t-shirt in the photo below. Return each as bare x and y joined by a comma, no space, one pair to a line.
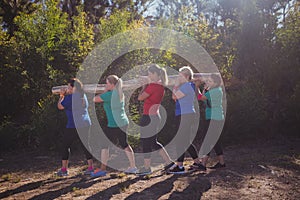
114,109
214,108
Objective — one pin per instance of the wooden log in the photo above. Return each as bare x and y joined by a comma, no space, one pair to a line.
130,84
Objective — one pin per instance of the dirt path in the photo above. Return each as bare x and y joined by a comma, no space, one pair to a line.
269,170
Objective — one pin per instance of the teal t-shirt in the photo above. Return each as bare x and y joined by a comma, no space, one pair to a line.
214,108
114,109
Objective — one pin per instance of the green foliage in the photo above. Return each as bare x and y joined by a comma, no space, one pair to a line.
47,49
255,42
247,114
292,112
116,23
10,75
10,9
286,77
134,140
81,39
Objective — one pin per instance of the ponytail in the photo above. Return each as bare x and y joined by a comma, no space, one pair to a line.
115,80
164,77
119,89
161,72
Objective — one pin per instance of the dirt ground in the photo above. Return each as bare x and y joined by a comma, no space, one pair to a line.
264,170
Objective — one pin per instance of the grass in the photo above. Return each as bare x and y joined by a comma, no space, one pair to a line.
77,192
6,177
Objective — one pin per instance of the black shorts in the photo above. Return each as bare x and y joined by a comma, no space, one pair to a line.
117,136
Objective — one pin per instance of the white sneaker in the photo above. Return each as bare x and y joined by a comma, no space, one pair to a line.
131,170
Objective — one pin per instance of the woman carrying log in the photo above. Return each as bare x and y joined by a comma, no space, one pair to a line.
74,102
184,95
212,95
152,95
113,103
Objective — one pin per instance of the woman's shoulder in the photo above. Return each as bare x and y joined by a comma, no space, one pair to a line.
187,86
77,95
219,89
155,86
216,90
107,93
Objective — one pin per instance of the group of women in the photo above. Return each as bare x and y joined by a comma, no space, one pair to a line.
74,102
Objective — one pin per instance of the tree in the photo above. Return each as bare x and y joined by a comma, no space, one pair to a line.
286,74
46,47
97,9
70,7
9,9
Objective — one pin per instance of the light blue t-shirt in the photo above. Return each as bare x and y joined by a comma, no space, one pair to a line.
214,108
185,105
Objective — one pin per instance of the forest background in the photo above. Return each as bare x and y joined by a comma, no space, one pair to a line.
254,43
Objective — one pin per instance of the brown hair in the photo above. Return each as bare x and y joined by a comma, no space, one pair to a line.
75,82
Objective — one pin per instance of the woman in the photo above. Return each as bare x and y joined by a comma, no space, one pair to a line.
113,103
213,113
152,96
184,95
74,102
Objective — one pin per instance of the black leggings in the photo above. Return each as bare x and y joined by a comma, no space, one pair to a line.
217,148
70,135
117,136
149,144
184,130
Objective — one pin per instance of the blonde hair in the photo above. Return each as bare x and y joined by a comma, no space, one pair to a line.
187,71
161,72
115,80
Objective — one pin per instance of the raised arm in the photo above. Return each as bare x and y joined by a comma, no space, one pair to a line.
61,98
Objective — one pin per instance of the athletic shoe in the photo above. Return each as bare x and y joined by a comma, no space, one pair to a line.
218,166
144,171
197,166
88,172
169,166
61,173
176,170
98,173
131,170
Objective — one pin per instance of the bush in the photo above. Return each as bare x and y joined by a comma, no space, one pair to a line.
8,134
290,117
247,113
47,124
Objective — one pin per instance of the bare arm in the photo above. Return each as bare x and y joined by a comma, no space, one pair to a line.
177,95
201,96
97,99
143,96
61,98
59,105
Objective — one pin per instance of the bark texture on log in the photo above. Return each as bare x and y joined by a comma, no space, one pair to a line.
130,84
